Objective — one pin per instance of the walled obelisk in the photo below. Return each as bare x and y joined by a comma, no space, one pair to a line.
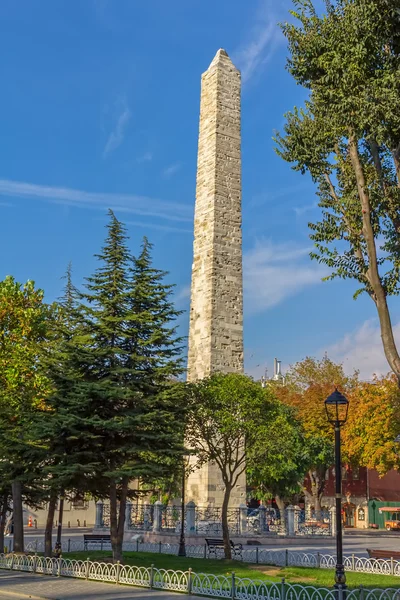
216,312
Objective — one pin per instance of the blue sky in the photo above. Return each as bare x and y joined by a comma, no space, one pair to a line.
99,108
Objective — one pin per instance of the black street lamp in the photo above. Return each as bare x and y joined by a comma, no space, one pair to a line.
182,547
337,407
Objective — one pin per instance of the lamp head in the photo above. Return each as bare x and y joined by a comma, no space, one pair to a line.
337,406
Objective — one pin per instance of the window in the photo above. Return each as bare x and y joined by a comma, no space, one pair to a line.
356,473
344,473
78,504
361,514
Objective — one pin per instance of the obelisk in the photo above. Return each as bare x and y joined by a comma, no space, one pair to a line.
216,312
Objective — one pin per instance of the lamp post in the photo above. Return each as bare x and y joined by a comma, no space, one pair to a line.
182,547
336,406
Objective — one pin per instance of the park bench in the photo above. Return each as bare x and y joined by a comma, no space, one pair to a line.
218,544
383,554
95,538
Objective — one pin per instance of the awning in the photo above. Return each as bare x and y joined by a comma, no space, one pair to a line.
389,509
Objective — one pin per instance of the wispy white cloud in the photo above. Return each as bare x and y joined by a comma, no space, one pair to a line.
260,44
172,169
146,157
127,203
285,195
362,349
302,210
116,137
274,272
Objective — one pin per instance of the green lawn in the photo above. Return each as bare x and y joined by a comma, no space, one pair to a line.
306,576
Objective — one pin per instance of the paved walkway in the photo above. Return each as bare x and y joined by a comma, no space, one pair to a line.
19,586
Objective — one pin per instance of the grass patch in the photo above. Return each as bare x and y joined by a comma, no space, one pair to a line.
300,575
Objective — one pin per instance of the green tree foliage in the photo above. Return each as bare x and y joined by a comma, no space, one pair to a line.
114,382
347,137
25,323
307,385
280,458
235,423
57,428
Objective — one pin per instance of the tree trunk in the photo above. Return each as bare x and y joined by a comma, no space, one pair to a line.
225,526
396,158
317,491
117,518
3,516
378,293
18,516
48,541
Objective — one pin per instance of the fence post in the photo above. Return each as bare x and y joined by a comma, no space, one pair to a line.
189,586
159,547
243,526
391,565
205,550
87,567
69,544
361,592
99,514
137,544
190,517
157,518
297,514
318,560
101,545
283,591
128,516
117,573
36,543
151,576
59,566
233,591
12,561
35,563
290,520
286,558
257,554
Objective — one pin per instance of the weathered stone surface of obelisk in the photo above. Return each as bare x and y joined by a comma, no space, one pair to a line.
216,312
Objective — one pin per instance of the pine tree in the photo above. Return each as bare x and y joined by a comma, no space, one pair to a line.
58,428
127,357
153,357
152,344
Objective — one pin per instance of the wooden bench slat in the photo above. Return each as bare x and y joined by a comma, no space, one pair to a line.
384,554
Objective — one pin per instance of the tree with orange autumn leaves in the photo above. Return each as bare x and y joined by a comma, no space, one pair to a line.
307,384
372,425
373,419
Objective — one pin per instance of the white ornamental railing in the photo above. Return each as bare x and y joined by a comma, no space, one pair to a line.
279,558
188,582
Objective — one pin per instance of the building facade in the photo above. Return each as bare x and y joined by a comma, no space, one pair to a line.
364,494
